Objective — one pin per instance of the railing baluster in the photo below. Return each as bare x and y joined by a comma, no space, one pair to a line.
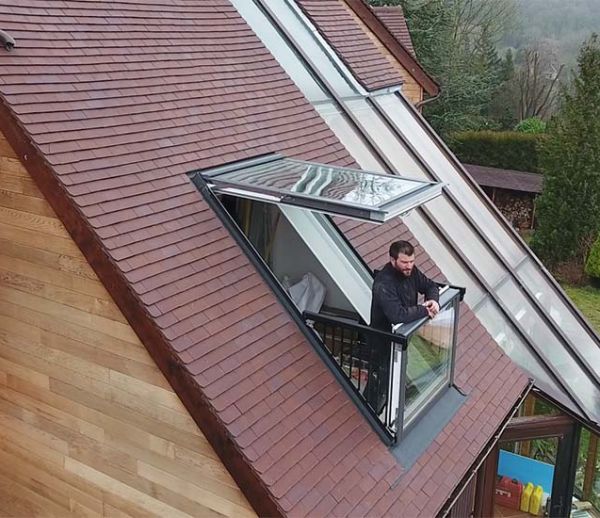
343,347
352,352
359,359
335,344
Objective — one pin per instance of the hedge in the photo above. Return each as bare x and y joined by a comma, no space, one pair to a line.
502,149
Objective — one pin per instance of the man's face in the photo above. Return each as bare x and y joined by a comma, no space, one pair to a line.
404,263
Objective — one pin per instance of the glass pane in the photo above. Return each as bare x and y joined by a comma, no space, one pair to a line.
291,176
525,477
326,188
429,355
404,160
350,138
484,218
562,315
515,347
553,350
467,240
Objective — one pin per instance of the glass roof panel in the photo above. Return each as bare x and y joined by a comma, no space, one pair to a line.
335,190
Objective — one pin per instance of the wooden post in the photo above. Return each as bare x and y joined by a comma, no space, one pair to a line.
590,467
486,485
528,410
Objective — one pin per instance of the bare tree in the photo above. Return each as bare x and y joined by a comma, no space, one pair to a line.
537,78
471,18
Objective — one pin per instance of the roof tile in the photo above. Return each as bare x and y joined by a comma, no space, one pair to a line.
333,19
393,18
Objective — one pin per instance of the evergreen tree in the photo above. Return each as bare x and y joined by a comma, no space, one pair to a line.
507,68
569,208
503,106
455,42
486,60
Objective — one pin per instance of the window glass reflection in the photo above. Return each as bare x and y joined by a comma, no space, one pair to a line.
429,357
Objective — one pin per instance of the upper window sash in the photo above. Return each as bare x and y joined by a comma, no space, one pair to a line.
323,188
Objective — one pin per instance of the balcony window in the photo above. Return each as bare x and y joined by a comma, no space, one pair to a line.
420,364
277,205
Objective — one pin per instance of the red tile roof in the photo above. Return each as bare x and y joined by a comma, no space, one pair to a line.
506,178
113,103
337,24
393,19
342,23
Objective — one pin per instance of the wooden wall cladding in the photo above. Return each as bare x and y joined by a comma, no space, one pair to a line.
88,424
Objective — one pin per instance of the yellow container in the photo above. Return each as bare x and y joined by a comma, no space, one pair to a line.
536,501
526,497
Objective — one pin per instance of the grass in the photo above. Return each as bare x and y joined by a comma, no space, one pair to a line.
587,299
428,359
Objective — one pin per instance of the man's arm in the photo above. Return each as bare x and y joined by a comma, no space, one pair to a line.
392,306
431,291
427,287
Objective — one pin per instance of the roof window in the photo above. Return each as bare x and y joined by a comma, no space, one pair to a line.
274,207
324,188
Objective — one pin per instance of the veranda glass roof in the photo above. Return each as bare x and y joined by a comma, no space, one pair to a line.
333,190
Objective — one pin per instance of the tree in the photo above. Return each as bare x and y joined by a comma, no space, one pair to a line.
569,208
455,41
537,80
503,106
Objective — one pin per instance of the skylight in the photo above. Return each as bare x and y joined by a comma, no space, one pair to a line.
323,188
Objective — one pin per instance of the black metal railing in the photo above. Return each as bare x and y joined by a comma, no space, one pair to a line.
396,375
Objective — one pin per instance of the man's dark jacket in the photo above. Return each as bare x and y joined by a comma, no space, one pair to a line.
395,297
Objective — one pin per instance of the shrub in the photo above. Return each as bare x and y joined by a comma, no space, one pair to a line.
531,125
592,265
502,149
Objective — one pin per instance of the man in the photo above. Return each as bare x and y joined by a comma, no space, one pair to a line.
396,288
394,301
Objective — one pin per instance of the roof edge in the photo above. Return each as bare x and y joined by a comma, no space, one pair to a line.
484,453
184,385
370,19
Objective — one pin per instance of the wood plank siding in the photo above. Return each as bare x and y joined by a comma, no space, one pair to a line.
88,424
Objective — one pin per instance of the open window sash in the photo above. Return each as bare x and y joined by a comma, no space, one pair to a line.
333,190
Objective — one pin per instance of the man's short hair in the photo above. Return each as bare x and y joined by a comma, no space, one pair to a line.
401,247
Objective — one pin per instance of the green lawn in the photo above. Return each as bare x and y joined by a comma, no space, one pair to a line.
587,299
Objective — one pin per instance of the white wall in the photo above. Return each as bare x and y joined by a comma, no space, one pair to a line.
291,257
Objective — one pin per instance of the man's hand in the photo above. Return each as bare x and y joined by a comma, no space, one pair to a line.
433,308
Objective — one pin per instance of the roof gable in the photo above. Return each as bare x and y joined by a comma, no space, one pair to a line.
393,18
365,43
341,29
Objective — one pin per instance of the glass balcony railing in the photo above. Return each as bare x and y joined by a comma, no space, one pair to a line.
396,375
